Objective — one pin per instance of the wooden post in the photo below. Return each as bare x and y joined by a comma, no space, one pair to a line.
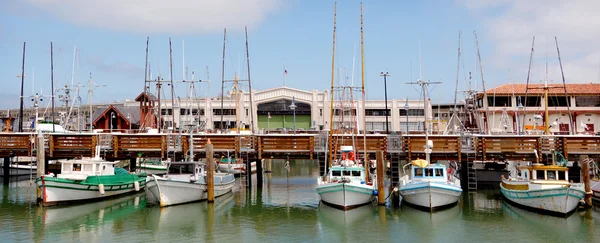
248,174
132,160
585,177
380,179
6,172
41,155
259,173
210,170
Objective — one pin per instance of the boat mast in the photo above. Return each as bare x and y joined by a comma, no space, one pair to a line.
172,87
22,85
572,127
223,76
237,103
332,88
486,130
364,110
527,84
249,84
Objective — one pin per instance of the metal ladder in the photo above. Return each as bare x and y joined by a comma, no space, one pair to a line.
471,174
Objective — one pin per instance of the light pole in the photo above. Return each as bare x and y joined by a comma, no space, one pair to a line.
293,108
111,121
385,75
406,109
268,122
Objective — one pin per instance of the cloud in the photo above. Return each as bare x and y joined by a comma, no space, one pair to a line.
128,69
161,16
511,24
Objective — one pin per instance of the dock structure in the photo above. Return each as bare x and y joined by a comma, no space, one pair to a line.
398,149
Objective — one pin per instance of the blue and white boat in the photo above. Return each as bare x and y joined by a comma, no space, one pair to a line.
345,185
429,186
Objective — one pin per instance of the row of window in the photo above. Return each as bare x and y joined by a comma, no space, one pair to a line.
226,112
536,101
380,112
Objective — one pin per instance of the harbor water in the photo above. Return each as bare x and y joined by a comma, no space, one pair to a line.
285,209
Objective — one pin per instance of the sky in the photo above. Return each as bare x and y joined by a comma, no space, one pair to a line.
408,39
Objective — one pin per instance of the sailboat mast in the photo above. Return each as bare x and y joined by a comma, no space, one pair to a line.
237,103
249,83
527,83
332,88
364,110
572,127
223,77
172,87
457,74
426,106
482,83
146,67
52,83
22,85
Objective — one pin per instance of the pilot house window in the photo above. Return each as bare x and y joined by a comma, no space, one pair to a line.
336,173
418,172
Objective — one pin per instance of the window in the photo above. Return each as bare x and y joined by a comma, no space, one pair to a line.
336,112
336,173
76,167
561,175
377,112
320,112
246,112
439,172
166,112
412,126
531,101
587,101
418,172
346,173
377,126
412,112
355,173
551,175
499,101
557,101
428,172
225,112
540,175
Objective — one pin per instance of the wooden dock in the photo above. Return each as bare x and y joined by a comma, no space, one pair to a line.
447,147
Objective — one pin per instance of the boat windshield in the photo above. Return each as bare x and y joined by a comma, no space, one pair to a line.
428,172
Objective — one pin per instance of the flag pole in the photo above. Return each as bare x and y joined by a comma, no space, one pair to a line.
284,72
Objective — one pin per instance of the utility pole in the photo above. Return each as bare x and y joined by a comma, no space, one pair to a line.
385,75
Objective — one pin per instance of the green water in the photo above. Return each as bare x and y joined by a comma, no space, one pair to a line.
285,210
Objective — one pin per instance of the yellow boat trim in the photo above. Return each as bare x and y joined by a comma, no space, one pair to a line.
521,187
420,162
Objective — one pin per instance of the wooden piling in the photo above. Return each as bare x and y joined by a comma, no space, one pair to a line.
248,173
380,179
132,160
259,173
210,170
41,156
585,177
6,172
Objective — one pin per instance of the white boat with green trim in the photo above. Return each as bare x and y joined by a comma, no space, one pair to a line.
345,185
544,188
86,179
153,166
187,186
429,186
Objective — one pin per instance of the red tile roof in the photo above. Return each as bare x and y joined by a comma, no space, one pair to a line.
555,89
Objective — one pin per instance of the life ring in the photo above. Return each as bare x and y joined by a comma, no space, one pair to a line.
351,155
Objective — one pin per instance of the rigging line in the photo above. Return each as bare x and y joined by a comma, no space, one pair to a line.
457,73
565,87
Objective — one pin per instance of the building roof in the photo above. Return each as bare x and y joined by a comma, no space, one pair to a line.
132,111
144,96
555,89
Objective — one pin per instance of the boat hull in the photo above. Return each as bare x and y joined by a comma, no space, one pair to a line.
53,191
345,195
562,201
20,170
168,192
595,186
154,169
430,195
236,169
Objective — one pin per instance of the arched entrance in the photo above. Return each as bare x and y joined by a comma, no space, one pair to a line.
276,115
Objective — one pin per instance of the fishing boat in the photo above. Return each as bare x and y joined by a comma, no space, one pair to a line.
429,186
154,166
235,166
544,188
426,185
189,185
21,168
86,179
345,186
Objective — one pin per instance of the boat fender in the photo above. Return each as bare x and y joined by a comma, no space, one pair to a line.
375,193
101,188
362,182
136,185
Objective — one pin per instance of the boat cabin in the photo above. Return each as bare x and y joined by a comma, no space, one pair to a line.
544,172
350,174
80,169
435,171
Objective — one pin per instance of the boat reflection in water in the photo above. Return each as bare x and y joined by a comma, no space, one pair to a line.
170,220
347,218
572,222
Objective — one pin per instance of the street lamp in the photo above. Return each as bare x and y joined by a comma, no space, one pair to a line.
385,75
293,108
111,121
406,109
